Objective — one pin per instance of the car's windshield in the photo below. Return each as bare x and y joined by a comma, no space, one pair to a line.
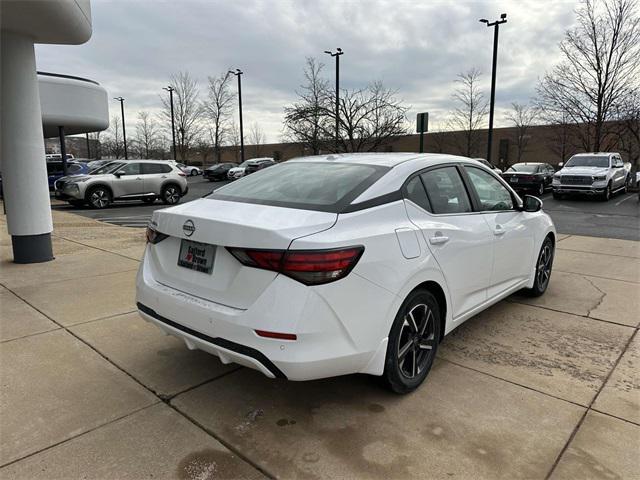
587,161
523,167
108,168
312,186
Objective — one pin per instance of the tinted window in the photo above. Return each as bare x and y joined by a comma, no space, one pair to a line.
150,168
446,191
314,186
415,192
492,194
523,167
54,168
130,169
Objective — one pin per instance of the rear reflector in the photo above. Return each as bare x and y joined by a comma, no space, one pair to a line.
280,336
311,267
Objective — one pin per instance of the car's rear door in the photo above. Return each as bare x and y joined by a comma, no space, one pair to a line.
154,174
460,240
512,235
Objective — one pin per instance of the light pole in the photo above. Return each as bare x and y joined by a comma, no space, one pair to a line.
170,89
496,26
124,130
337,56
238,73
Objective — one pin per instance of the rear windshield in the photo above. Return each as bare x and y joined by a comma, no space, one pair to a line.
521,167
585,161
327,187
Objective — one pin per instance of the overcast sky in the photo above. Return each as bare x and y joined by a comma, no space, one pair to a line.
416,47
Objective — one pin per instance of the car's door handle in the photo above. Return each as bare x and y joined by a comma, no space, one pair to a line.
438,239
498,230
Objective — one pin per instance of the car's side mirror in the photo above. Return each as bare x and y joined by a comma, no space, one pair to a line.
119,173
531,204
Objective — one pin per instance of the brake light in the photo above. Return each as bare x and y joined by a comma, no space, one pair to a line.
182,174
311,267
154,236
280,336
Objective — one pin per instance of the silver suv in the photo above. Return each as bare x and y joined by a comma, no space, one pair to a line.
143,180
599,174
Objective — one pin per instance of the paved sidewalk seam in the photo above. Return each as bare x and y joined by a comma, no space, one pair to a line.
73,437
616,417
589,407
168,398
574,314
102,318
155,394
2,342
600,253
95,248
597,276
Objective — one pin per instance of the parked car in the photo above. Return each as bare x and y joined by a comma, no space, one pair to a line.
55,171
93,164
144,180
601,174
218,172
489,165
238,172
319,267
58,156
535,177
190,170
255,165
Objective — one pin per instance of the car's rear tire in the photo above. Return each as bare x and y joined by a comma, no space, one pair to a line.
99,197
413,342
543,267
171,194
194,172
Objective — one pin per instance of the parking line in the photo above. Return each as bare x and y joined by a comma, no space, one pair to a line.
625,198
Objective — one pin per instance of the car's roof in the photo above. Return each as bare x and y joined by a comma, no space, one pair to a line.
528,163
382,159
595,154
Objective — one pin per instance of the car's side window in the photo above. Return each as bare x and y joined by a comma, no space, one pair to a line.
445,191
155,168
415,192
131,169
492,194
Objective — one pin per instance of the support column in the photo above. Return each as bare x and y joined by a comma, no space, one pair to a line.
22,158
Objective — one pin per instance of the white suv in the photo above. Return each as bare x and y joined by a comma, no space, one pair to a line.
599,174
143,180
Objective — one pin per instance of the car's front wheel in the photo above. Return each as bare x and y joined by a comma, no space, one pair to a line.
171,194
99,197
413,342
607,193
544,264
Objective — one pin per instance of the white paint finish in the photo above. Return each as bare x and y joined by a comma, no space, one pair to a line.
24,171
80,106
49,21
342,326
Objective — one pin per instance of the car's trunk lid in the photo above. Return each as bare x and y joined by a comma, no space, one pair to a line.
227,224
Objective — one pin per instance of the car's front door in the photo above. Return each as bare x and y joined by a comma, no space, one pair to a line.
459,239
128,181
512,235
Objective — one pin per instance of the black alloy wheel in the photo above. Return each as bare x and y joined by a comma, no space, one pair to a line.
543,268
171,194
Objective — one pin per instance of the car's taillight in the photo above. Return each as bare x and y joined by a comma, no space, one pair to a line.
311,267
182,174
154,236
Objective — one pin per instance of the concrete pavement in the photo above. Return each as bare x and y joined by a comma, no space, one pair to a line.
531,388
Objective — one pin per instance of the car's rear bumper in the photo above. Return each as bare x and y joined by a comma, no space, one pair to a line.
524,185
326,343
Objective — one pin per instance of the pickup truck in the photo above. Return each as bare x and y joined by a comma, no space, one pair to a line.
601,174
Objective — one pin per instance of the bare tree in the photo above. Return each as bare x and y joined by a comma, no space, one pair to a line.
217,109
256,137
469,115
599,71
561,136
306,121
114,143
97,145
521,117
628,128
146,134
187,110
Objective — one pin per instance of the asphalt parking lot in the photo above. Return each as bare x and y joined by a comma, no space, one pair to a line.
530,388
617,218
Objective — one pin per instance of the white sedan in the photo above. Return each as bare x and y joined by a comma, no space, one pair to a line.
330,265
